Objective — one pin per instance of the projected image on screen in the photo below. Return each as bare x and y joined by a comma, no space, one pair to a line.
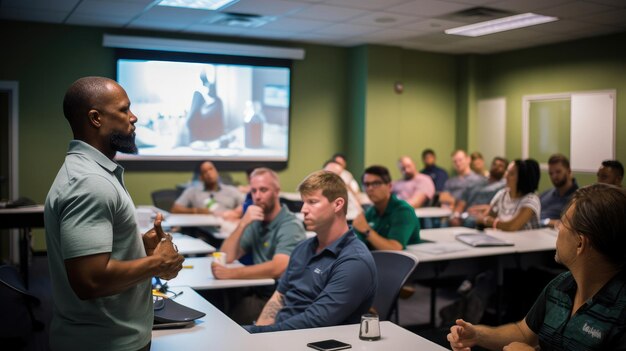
199,110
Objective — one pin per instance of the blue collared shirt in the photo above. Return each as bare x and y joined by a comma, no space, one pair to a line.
552,204
335,286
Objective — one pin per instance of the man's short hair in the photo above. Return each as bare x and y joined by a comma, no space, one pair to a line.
380,171
264,170
600,215
615,165
559,158
339,154
332,160
331,185
428,152
501,159
457,151
476,155
527,175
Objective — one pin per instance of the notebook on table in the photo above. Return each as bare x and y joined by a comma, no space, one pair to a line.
481,240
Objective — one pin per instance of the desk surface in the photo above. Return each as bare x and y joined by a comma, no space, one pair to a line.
524,241
432,212
192,220
216,331
22,217
200,277
188,245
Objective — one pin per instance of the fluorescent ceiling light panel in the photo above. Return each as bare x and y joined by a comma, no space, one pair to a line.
501,25
198,4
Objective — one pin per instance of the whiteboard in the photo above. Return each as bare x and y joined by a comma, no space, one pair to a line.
490,133
592,130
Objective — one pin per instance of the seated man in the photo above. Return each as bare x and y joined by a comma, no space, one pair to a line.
437,174
415,188
391,223
465,178
345,174
584,308
354,207
331,278
611,172
476,200
212,198
554,200
270,233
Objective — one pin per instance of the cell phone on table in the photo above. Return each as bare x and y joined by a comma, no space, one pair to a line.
329,345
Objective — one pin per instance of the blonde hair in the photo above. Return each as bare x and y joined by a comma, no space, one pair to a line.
264,170
332,186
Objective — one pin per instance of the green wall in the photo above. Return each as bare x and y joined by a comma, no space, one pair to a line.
583,65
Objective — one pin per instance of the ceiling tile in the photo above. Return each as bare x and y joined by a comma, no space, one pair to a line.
385,19
616,3
295,25
575,9
390,35
431,25
115,8
616,17
367,4
328,13
57,5
94,20
347,30
522,6
213,29
430,8
265,7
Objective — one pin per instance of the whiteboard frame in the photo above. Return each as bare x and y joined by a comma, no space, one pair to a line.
526,101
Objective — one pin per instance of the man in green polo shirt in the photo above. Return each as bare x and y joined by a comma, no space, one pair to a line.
584,308
391,223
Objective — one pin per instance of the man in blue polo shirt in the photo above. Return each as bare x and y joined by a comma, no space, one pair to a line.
331,278
554,200
391,223
584,308
100,264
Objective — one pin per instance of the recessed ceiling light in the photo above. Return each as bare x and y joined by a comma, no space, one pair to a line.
198,4
501,25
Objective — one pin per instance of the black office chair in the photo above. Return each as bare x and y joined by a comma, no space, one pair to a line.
164,199
394,268
293,206
16,303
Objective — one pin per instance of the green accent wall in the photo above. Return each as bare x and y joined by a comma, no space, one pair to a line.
582,65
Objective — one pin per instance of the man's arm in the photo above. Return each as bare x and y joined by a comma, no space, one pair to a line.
417,200
232,245
269,269
99,275
465,335
376,240
273,305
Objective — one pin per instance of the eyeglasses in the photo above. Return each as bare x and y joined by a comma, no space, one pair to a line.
374,184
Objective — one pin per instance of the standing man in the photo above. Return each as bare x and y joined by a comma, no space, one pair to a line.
391,223
100,264
331,278
212,198
465,178
584,308
554,200
611,172
415,188
438,174
270,233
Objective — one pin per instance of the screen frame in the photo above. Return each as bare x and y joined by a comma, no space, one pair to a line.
187,163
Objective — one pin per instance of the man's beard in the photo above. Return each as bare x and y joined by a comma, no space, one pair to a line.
124,143
560,183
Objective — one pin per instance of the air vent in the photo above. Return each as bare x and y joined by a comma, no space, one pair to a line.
476,14
242,20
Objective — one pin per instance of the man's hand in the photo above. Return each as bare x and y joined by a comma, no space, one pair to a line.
360,223
222,272
253,213
160,244
518,346
462,336
152,237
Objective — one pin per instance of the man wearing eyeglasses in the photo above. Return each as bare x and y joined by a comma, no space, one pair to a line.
391,223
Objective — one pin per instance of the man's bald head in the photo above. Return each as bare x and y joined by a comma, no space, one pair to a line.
82,96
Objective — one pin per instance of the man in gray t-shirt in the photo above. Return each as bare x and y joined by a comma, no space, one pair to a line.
465,178
212,197
269,233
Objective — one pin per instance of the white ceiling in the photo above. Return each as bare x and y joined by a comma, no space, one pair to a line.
413,24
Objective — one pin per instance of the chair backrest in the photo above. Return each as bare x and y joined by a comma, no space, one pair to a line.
164,199
16,304
394,268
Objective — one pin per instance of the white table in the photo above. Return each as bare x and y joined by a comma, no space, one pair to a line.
200,277
433,212
188,245
192,220
216,331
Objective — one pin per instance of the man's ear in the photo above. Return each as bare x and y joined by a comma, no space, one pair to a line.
94,118
583,244
339,204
